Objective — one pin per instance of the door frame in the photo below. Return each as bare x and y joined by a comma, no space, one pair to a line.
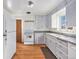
20,30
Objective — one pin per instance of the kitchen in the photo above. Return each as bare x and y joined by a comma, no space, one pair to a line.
50,23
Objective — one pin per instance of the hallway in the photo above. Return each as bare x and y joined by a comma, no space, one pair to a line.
29,52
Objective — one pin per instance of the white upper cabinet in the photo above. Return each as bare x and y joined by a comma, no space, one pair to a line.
40,22
68,1
28,25
71,13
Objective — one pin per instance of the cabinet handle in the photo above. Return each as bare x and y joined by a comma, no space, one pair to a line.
6,39
4,35
73,47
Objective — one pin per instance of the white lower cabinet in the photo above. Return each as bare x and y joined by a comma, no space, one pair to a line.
50,42
71,51
60,48
60,54
39,38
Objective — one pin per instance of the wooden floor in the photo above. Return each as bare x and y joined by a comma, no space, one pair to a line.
29,52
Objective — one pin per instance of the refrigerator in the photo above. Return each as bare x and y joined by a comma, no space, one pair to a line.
9,35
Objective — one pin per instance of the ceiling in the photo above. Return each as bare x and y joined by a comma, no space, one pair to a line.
41,7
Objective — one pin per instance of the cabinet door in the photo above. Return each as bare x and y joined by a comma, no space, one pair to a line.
39,38
61,55
53,46
71,51
45,38
48,41
51,43
71,13
61,49
28,26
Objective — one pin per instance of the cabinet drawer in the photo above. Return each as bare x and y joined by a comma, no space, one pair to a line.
64,43
60,55
71,51
62,48
63,56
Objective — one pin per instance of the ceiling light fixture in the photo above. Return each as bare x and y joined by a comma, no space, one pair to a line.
30,4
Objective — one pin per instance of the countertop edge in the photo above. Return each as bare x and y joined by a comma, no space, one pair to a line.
63,39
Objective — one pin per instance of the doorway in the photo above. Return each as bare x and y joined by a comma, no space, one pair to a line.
18,30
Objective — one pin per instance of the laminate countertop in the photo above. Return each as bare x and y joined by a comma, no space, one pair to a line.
63,37
70,34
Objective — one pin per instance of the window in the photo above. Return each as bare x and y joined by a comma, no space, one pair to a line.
59,19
